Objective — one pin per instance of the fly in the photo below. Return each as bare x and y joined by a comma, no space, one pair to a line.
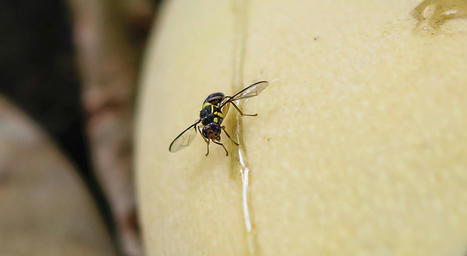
215,108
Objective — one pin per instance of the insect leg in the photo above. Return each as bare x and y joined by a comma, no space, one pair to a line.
218,143
207,147
241,113
228,136
205,140
200,133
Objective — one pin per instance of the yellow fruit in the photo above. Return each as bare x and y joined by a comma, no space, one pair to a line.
360,146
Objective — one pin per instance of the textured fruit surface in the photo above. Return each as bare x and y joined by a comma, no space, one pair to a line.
360,146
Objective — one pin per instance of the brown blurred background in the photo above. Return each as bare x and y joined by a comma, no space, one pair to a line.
68,80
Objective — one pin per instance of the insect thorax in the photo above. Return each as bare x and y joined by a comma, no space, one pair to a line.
210,113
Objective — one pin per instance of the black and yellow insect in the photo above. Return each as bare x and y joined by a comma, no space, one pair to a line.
215,108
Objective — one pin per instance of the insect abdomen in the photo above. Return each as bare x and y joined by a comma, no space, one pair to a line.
214,98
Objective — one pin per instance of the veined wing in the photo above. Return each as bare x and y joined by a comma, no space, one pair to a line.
184,138
248,92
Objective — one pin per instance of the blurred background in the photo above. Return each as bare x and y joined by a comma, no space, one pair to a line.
69,70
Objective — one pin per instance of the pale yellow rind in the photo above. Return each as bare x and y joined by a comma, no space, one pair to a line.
360,147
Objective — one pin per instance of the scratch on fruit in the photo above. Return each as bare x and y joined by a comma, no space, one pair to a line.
241,11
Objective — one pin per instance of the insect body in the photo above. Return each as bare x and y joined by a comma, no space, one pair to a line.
210,111
213,112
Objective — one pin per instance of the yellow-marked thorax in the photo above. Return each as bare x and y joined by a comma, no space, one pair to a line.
211,113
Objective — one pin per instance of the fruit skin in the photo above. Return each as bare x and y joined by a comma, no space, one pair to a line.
359,147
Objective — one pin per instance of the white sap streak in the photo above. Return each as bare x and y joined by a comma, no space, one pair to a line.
245,171
251,243
240,9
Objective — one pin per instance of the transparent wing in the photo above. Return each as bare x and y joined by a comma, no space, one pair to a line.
250,91
184,138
